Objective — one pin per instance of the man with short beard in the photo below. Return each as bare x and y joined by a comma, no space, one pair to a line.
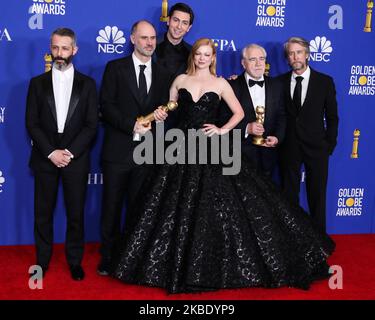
311,131
131,87
61,118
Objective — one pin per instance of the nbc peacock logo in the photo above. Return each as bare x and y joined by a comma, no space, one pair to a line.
111,40
320,49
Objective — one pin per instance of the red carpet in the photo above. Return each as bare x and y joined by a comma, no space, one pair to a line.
354,253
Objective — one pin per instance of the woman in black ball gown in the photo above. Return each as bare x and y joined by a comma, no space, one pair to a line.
196,229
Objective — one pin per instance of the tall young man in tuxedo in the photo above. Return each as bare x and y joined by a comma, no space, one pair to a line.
311,131
61,118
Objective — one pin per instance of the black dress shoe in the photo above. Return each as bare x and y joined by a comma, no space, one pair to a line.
103,267
77,273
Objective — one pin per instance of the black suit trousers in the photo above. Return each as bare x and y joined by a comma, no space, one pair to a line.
46,189
316,169
120,184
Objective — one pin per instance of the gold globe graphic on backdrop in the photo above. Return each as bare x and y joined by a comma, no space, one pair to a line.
271,10
362,80
349,202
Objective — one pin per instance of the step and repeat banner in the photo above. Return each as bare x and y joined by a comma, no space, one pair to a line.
342,45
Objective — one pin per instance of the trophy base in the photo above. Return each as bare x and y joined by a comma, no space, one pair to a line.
354,156
367,29
258,141
163,19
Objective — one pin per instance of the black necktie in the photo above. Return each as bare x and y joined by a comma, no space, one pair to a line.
297,94
253,82
142,85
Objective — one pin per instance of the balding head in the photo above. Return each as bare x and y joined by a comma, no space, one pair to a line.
143,37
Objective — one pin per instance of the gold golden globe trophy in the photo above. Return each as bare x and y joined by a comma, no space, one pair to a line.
260,111
267,70
370,6
170,106
48,62
145,120
164,11
356,134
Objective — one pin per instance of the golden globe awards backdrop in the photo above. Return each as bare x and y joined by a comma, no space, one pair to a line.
342,43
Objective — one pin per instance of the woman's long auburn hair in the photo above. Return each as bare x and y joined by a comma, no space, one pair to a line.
197,44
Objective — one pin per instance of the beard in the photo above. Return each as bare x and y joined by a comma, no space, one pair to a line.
144,52
299,65
61,63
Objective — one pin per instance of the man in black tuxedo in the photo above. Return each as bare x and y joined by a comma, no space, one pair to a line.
131,86
252,89
61,118
311,132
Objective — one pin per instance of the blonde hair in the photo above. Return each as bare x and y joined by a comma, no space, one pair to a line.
199,43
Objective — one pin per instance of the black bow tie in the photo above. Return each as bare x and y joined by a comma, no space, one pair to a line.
253,82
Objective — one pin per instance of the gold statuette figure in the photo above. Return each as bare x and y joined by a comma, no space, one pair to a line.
356,134
164,11
170,106
259,110
370,6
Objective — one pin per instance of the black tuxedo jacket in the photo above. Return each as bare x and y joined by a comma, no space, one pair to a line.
274,121
306,127
80,126
120,106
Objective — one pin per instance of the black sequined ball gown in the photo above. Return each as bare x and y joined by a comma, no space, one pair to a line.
199,230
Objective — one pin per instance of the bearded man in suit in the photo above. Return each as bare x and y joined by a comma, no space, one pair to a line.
61,118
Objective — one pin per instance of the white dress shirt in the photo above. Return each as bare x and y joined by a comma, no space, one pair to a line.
305,83
147,72
257,94
62,82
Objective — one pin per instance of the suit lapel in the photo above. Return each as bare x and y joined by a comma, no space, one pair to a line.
48,89
267,99
131,78
74,98
289,102
310,88
154,80
246,101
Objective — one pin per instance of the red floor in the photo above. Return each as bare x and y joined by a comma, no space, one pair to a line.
355,254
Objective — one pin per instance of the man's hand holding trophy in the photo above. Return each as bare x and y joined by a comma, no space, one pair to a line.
143,123
257,130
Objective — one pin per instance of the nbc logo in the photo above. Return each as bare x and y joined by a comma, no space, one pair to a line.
2,180
350,201
320,49
224,45
111,40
